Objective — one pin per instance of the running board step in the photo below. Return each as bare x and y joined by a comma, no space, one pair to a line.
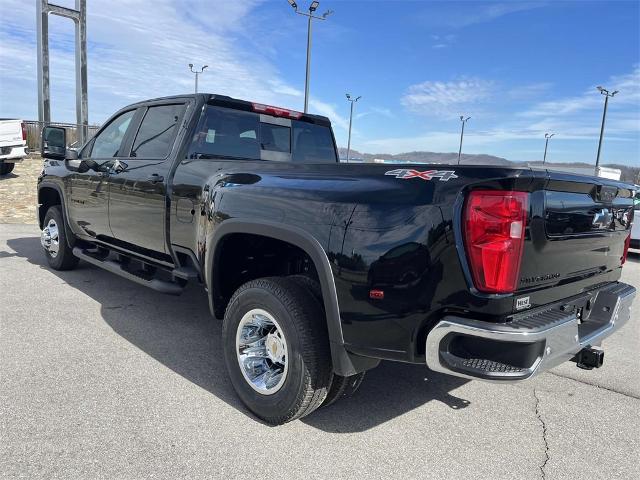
117,268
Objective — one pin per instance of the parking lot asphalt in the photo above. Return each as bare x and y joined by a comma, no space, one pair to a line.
102,378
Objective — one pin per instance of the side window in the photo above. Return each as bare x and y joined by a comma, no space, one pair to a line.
225,132
157,131
108,142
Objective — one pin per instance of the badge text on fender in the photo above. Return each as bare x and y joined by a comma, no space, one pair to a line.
406,174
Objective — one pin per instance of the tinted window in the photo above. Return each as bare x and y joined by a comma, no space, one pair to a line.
157,131
312,143
275,138
108,142
227,133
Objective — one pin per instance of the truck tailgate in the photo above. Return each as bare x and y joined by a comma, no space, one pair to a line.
10,133
578,227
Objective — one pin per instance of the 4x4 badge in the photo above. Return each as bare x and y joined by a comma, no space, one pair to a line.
406,174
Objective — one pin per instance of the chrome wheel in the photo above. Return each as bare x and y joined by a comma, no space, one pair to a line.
262,352
50,238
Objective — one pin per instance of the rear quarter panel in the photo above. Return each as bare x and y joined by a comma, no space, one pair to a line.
378,232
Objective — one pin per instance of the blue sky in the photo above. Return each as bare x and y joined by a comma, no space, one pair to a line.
518,68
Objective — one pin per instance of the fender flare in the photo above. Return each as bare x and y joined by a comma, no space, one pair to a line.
344,363
67,229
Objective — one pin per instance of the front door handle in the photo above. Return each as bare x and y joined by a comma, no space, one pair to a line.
155,178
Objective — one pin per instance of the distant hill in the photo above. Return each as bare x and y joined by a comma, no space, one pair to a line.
427,157
629,174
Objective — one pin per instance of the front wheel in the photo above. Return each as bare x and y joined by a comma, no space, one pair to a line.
54,241
276,349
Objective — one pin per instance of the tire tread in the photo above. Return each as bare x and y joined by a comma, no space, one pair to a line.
312,333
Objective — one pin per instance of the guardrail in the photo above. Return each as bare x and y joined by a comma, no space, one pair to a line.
34,132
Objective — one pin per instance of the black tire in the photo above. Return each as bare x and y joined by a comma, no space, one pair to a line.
311,285
6,168
309,360
64,258
343,387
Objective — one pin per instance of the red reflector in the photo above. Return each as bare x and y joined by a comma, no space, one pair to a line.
24,131
494,228
276,111
625,252
376,294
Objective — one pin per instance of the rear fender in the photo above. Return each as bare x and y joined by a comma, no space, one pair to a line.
343,362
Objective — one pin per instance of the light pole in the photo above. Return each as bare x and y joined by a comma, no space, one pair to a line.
546,144
463,120
312,8
352,101
606,94
197,73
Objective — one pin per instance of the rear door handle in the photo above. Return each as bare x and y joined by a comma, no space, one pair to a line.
155,178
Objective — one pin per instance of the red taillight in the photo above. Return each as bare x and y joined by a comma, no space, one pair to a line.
24,131
494,227
376,294
625,251
276,111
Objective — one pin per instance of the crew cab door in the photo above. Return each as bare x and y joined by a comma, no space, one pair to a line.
138,186
89,190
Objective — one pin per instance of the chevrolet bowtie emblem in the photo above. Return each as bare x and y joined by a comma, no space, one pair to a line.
602,219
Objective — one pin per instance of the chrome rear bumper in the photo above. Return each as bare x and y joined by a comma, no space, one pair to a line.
533,342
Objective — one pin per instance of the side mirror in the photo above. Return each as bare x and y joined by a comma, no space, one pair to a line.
54,143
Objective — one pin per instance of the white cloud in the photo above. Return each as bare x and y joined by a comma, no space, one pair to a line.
472,13
446,99
442,41
139,50
329,110
628,86
575,119
530,91
377,111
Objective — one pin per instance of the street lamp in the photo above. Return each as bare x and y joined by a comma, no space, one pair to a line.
606,94
463,120
352,101
197,73
312,8
547,136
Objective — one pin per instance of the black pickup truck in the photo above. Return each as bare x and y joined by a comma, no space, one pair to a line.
320,269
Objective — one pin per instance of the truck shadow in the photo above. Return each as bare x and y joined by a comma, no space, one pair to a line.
180,333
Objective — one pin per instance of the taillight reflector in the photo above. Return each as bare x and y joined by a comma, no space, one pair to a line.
276,111
376,294
625,251
494,229
24,131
